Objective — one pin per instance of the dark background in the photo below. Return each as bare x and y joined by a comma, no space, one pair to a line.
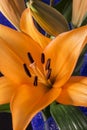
6,122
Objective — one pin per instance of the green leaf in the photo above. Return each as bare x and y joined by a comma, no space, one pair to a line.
5,108
84,22
65,8
80,62
68,117
46,112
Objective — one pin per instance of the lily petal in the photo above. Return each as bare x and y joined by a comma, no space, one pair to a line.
79,12
11,65
21,44
74,92
33,99
27,26
64,51
7,88
12,9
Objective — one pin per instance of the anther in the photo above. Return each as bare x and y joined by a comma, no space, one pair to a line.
27,70
30,57
1,74
35,80
48,73
48,64
42,58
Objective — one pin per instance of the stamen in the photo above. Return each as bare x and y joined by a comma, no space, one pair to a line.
36,81
36,70
27,70
30,57
42,58
48,73
48,64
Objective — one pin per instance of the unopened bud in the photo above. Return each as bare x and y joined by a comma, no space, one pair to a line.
48,18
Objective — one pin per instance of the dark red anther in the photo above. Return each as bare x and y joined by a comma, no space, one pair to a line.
42,58
27,70
48,74
30,57
48,64
35,80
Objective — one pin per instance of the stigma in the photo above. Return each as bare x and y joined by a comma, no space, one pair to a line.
33,71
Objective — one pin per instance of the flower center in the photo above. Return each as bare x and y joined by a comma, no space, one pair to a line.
35,71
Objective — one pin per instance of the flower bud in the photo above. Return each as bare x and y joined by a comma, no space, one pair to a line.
79,12
48,18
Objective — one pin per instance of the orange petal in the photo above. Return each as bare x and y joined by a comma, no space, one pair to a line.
21,44
74,92
64,51
11,65
12,10
33,100
6,90
79,12
27,26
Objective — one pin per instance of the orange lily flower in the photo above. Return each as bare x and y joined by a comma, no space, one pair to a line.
35,76
79,12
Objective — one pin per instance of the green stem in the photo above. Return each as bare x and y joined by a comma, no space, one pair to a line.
51,2
46,127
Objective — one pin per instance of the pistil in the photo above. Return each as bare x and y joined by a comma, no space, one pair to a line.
36,73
